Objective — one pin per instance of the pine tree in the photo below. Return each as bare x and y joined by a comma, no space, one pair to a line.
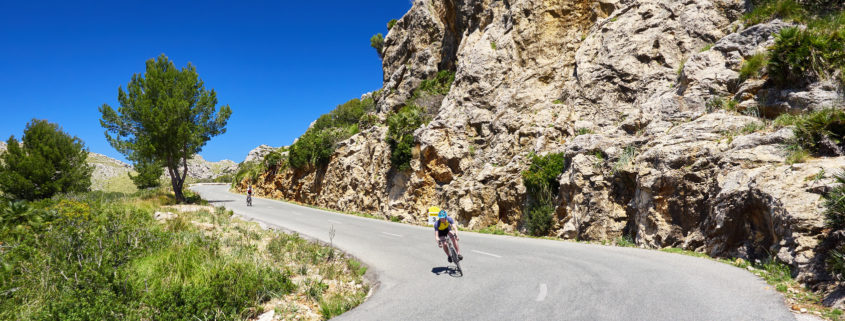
48,162
165,116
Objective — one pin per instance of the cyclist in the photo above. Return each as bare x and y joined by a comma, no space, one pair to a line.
443,230
249,194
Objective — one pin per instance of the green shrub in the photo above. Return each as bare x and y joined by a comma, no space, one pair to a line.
835,263
825,125
47,162
785,119
796,154
767,10
400,134
583,131
714,103
542,175
752,67
539,219
316,146
834,203
377,42
541,182
801,56
368,121
391,23
627,157
439,85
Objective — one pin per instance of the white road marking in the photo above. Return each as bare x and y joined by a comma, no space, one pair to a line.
336,222
485,253
391,234
543,291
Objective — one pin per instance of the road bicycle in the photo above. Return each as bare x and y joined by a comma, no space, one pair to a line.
248,200
453,254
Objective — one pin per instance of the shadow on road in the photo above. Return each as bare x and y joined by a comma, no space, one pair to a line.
449,270
220,201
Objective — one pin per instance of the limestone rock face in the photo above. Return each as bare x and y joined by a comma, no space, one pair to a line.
200,168
621,88
258,153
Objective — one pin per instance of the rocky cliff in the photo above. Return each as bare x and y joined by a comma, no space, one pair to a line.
624,89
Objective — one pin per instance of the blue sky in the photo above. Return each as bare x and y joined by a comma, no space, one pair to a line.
278,64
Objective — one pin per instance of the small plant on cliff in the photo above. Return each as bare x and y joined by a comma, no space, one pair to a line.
439,85
391,23
583,131
400,134
714,103
806,55
753,66
834,203
541,182
626,158
821,132
377,42
766,10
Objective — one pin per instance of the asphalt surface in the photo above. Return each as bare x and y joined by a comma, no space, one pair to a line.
511,278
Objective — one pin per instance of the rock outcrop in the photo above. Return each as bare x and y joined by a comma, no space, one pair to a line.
258,153
621,88
201,169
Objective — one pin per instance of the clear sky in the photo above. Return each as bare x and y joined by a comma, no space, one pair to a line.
278,64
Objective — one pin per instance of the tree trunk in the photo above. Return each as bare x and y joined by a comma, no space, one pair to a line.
176,180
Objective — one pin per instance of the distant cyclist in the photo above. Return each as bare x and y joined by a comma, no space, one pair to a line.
443,230
249,195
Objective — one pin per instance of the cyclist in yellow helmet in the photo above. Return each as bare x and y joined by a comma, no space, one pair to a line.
443,230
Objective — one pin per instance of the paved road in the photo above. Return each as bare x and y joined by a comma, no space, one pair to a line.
510,278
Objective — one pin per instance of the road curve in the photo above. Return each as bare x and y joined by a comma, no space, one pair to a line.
511,278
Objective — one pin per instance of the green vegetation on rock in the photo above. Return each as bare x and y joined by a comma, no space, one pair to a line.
316,146
377,42
47,161
834,203
752,67
391,23
400,134
542,185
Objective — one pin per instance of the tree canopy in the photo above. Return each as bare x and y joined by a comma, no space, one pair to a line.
165,116
49,161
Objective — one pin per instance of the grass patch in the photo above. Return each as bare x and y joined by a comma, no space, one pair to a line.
834,203
753,66
103,256
492,229
583,131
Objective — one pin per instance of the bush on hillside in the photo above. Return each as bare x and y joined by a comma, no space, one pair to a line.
767,10
803,56
316,146
48,162
821,132
542,174
439,85
834,203
400,134
391,23
542,185
101,260
753,66
377,42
